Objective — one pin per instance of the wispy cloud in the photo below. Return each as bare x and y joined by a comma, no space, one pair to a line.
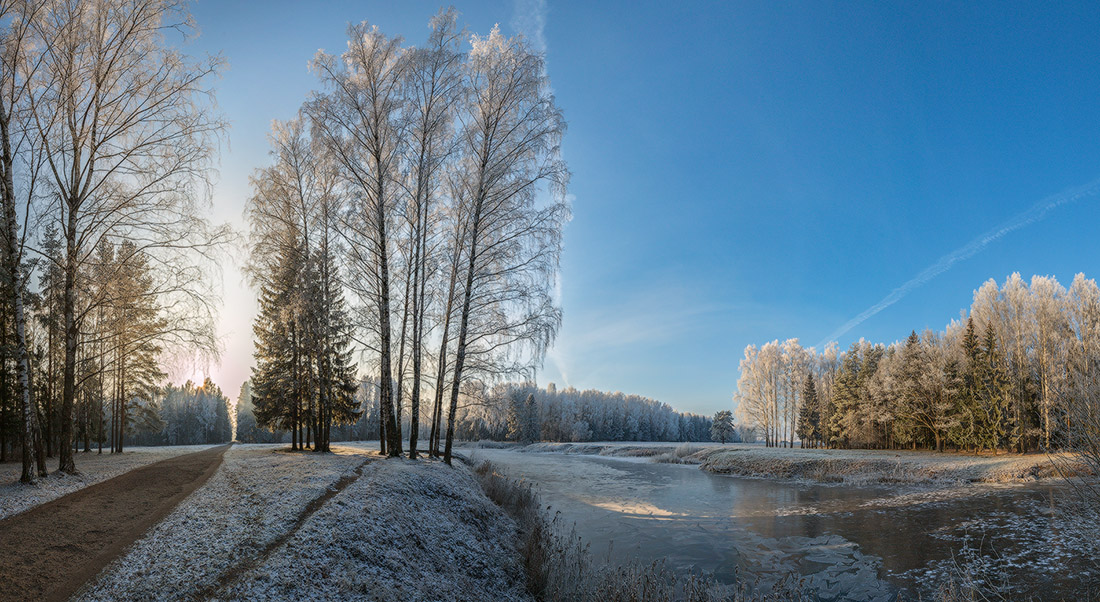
1036,213
529,18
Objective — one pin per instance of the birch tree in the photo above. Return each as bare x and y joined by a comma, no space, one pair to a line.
1050,328
434,88
128,132
509,140
359,121
17,67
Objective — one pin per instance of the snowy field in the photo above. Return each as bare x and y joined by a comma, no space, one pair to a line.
93,468
858,467
274,525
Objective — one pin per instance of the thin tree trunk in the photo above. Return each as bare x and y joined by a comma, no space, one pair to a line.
460,353
122,411
51,390
399,393
68,393
419,273
31,431
437,409
381,423
400,353
393,437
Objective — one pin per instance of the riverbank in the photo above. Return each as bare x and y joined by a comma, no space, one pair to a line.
885,467
855,467
841,542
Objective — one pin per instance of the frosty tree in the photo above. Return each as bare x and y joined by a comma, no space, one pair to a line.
721,430
305,376
359,121
127,133
509,143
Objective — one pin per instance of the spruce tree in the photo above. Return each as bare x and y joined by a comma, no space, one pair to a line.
721,429
809,416
996,393
968,393
335,362
846,391
274,386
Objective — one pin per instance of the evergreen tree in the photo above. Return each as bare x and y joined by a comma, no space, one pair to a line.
809,417
968,393
995,394
531,430
336,367
721,430
925,405
846,393
516,414
274,383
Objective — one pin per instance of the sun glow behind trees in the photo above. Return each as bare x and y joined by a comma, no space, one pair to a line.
109,137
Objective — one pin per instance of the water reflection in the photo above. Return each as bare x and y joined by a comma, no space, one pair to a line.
849,543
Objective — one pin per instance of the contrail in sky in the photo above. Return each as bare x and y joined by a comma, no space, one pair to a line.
1032,215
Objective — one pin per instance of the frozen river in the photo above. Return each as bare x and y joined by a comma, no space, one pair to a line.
848,543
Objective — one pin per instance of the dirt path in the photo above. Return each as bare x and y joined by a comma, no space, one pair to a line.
50,551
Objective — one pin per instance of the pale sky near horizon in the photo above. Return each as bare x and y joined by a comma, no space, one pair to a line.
745,171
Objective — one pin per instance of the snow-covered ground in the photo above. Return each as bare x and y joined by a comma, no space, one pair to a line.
267,525
93,468
405,531
622,449
254,497
883,466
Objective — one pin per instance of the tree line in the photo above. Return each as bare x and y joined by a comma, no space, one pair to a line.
1017,372
108,133
186,414
410,220
520,412
524,412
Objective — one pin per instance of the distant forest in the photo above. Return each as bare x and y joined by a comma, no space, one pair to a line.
518,412
1017,372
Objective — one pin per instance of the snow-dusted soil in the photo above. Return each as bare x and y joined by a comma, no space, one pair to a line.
255,496
270,525
415,531
877,466
93,468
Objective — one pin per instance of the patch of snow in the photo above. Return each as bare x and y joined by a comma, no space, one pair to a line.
405,530
883,466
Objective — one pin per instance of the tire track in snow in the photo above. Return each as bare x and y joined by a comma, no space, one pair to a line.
233,573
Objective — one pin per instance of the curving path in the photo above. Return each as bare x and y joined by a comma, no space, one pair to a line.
50,551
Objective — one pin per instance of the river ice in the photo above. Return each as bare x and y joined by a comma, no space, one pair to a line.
843,542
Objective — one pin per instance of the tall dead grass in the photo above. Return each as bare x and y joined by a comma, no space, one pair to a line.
871,467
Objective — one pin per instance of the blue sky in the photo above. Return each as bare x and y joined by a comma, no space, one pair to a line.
744,171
